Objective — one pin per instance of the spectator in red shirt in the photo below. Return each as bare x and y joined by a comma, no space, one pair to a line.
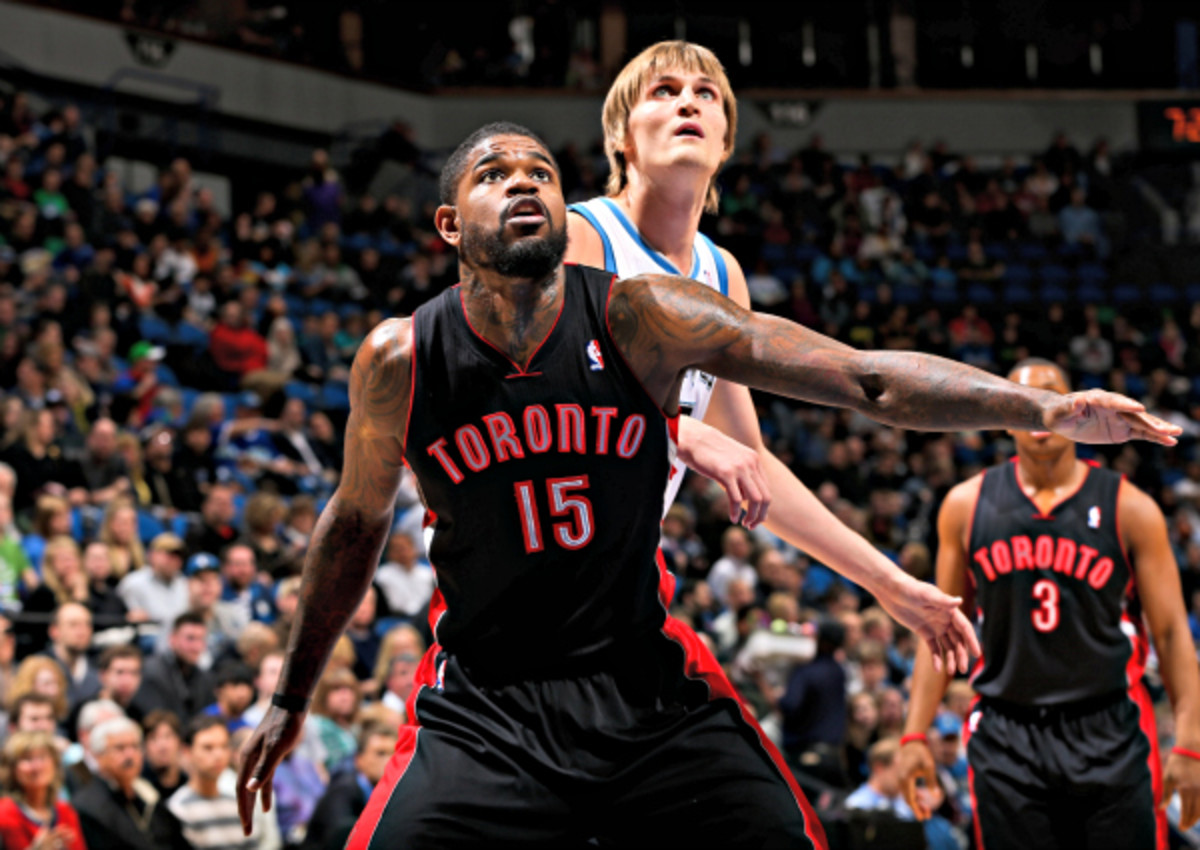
31,815
237,349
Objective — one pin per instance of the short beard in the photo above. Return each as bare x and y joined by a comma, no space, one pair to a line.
527,259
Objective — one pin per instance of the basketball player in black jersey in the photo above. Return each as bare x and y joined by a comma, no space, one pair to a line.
536,404
1062,558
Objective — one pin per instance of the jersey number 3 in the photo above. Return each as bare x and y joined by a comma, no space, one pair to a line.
565,501
1045,618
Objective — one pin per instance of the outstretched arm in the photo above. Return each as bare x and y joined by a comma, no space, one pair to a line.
345,547
666,324
1143,526
801,519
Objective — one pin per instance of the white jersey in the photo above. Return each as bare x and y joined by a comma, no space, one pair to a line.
627,254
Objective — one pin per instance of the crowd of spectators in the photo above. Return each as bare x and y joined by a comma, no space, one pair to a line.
172,392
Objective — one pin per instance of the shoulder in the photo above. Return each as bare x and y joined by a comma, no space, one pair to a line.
585,245
960,502
738,290
1136,511
380,380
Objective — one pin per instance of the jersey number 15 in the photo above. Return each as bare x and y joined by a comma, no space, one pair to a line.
565,501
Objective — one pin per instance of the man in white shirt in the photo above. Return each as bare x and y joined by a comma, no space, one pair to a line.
407,581
736,546
157,592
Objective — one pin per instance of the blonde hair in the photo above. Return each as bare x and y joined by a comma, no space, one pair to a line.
137,553
26,676
20,744
54,546
627,90
388,649
335,678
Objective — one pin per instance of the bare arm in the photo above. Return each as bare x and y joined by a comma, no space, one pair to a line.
801,519
928,684
345,547
1145,530
666,324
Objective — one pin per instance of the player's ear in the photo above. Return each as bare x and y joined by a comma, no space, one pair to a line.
447,223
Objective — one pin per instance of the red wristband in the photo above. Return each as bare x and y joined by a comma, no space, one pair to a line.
1192,754
920,736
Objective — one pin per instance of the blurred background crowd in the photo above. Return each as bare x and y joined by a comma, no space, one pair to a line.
173,388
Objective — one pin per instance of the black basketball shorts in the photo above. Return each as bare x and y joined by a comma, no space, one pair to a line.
652,749
1080,776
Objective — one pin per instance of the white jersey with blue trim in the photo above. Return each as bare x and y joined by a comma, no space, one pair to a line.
627,254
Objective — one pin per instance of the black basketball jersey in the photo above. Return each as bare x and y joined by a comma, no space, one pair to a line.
1054,593
544,484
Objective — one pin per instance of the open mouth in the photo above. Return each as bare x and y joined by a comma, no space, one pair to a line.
690,129
526,213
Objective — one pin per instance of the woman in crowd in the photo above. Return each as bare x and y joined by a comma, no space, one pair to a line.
108,609
31,815
63,580
40,674
335,706
119,529
51,518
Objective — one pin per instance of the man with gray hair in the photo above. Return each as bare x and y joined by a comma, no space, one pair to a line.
120,810
80,765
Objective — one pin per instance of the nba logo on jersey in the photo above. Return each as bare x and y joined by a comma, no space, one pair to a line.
439,683
594,355
1094,517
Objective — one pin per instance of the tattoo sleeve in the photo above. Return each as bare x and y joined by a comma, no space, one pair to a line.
351,532
665,324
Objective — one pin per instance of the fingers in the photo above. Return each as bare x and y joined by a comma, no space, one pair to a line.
268,791
734,490
1115,401
758,498
912,798
935,653
247,788
964,628
1190,808
1169,783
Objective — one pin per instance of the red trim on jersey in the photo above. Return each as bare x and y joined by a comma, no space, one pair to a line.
437,607
621,354
397,766
523,371
1037,512
700,664
412,385
966,736
1141,698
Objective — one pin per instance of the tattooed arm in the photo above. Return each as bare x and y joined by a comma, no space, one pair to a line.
665,325
345,547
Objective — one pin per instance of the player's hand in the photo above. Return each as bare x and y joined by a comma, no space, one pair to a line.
1182,774
915,762
937,619
1096,416
735,467
274,738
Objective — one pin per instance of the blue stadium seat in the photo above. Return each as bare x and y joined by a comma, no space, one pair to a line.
1164,294
806,252
997,251
166,375
186,333
1016,293
335,395
1090,293
1032,251
1091,382
1055,274
980,293
1126,294
302,391
189,399
1135,385
297,307
924,252
1092,273
1052,293
1018,273
774,254
944,295
154,329
148,526
239,508
907,294
1192,293
956,253
77,529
